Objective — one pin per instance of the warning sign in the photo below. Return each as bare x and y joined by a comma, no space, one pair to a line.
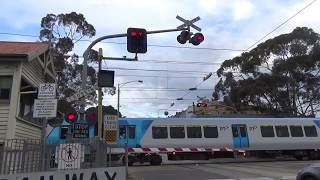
47,91
45,108
110,123
69,156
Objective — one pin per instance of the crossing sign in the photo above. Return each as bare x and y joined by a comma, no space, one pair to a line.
69,156
189,23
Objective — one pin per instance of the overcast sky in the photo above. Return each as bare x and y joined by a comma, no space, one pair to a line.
227,24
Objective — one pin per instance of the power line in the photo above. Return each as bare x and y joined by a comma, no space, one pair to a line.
184,77
157,70
174,62
149,45
280,25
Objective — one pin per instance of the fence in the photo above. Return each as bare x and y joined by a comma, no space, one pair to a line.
25,155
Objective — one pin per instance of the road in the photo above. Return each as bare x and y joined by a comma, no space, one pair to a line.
285,170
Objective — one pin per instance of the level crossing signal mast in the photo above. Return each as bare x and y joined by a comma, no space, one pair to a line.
136,40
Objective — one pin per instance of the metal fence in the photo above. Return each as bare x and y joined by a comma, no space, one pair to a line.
25,155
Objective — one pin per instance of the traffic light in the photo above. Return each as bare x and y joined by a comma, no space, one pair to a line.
136,40
196,39
91,118
71,117
185,36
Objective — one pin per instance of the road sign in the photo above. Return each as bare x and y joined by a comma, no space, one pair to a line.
69,156
45,108
110,128
110,122
47,91
81,130
189,23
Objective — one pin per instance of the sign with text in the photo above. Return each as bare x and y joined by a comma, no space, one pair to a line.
110,122
45,108
109,173
81,130
110,128
47,91
69,156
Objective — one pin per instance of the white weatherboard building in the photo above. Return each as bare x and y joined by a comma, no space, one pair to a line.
23,66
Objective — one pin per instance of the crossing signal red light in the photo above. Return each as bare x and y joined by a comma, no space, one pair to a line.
91,118
197,39
71,117
136,40
183,37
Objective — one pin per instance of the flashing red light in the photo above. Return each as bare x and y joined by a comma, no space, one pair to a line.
71,117
200,37
133,34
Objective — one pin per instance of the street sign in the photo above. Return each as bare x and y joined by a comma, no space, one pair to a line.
47,91
69,156
111,128
45,108
81,130
110,122
188,23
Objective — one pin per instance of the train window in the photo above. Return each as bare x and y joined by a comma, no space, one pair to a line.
296,131
282,131
177,132
159,132
132,132
243,131
194,132
310,131
210,131
235,131
267,131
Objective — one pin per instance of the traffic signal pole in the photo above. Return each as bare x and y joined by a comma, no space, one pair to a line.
85,68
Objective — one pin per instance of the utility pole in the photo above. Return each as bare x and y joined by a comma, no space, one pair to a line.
100,118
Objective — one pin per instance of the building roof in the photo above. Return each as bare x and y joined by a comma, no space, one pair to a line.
22,49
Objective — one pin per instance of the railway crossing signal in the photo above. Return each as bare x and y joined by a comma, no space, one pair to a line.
136,40
185,36
71,117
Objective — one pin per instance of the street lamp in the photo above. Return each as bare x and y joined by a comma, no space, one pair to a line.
121,85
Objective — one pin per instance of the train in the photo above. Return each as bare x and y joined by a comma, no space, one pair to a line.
153,139
148,139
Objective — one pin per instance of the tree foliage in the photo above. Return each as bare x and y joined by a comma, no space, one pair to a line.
279,77
65,30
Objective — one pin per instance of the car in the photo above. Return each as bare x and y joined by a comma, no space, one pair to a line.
311,172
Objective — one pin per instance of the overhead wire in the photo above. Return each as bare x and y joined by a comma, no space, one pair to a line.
280,25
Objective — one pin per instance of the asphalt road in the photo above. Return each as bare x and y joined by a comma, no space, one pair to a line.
285,170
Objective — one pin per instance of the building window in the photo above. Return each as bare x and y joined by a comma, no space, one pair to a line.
210,131
5,88
310,131
296,131
267,131
159,132
194,132
177,132
282,131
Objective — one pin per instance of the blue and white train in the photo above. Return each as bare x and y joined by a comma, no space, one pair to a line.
188,138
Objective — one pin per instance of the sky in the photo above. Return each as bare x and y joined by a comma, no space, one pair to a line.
229,24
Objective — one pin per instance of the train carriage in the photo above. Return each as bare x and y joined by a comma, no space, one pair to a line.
186,138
